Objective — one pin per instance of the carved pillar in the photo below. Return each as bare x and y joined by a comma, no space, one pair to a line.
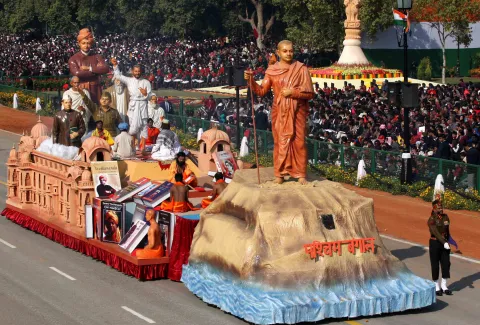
352,52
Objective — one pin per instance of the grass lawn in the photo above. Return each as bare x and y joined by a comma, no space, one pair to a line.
455,81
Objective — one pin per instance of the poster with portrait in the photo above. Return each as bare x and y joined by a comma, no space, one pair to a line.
225,163
106,178
113,221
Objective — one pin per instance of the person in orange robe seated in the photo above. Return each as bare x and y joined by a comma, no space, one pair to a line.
218,188
154,248
152,134
178,202
180,166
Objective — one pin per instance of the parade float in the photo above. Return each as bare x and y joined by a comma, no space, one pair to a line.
50,195
297,253
267,253
270,250
263,251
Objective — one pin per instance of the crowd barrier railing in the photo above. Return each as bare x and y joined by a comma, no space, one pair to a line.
456,174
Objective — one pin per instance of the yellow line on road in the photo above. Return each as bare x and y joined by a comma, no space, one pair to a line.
352,322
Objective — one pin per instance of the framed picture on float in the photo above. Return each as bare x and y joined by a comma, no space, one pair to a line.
225,163
106,178
113,221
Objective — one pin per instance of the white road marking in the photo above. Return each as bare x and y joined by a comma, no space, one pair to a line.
460,257
133,312
62,273
7,243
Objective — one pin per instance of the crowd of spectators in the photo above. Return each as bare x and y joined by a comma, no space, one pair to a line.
446,125
167,62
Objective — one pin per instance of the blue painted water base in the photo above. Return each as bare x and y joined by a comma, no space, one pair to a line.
263,305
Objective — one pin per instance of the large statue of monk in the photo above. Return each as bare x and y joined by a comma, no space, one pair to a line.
292,89
88,66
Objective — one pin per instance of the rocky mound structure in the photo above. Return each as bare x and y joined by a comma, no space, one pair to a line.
288,253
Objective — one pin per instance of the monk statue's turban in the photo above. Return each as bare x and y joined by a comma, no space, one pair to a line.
85,33
111,215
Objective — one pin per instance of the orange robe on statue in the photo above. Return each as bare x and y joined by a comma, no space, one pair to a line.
289,116
149,253
206,202
176,207
186,173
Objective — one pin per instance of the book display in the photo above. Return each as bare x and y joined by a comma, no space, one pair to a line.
157,195
113,221
107,209
131,190
106,178
225,163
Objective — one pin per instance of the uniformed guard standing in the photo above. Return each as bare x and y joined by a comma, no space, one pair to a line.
439,225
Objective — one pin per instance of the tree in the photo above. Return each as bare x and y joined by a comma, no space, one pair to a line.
462,33
449,18
58,16
17,15
317,24
376,16
260,29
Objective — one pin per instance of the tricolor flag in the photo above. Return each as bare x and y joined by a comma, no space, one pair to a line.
400,19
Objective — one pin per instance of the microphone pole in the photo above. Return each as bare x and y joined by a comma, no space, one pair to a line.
254,126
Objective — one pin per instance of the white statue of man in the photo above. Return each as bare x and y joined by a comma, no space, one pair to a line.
138,89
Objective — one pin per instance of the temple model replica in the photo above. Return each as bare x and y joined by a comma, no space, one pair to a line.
290,252
52,186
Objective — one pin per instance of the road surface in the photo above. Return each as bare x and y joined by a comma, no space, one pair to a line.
43,283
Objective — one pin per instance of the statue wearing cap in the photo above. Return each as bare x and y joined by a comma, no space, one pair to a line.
68,125
88,66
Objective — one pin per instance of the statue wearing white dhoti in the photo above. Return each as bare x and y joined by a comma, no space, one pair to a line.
77,100
155,112
138,89
120,98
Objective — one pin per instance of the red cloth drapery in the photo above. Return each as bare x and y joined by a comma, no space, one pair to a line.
182,240
141,272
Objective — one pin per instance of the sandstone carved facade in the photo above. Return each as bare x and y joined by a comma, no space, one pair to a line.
54,188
